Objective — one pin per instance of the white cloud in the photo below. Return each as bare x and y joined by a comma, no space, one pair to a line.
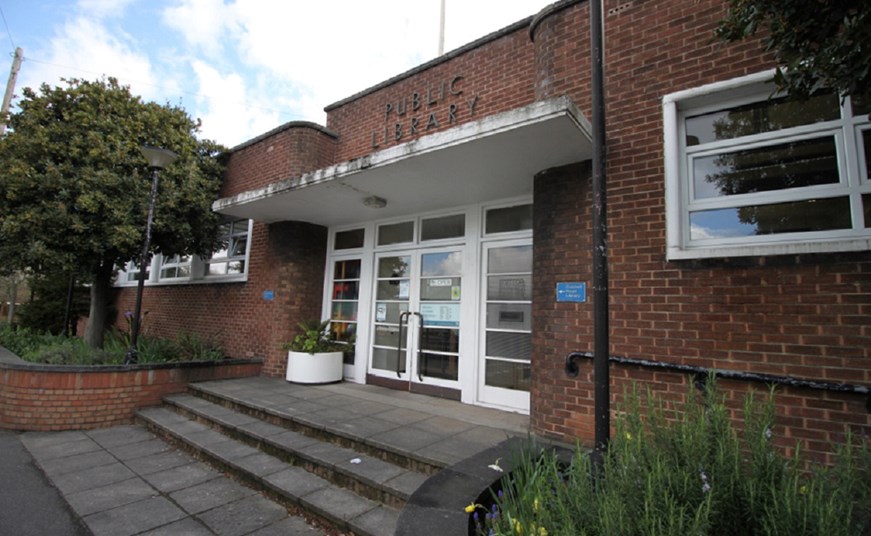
104,8
201,23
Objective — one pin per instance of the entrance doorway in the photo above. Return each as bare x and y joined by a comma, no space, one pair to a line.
417,309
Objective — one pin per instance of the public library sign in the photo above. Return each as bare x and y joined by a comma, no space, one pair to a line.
422,111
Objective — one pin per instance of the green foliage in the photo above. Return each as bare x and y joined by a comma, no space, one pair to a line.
315,339
74,187
697,476
45,312
42,347
817,43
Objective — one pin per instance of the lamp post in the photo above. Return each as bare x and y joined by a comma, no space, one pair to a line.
157,159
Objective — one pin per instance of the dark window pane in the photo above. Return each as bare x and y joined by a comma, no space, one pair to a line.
441,340
509,316
505,220
344,311
346,290
508,374
396,289
866,138
385,359
347,269
759,117
393,266
511,345
866,209
389,336
438,366
396,233
444,227
861,106
796,217
791,165
509,260
509,287
349,239
342,331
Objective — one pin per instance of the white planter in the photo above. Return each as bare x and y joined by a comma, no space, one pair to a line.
314,368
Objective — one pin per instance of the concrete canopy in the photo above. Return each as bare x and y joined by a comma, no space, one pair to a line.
493,158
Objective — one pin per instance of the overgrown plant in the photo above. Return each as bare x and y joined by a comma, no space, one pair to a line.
315,338
690,473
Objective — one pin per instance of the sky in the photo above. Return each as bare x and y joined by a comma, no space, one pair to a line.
243,67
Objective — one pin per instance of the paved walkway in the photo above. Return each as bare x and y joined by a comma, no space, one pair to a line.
124,481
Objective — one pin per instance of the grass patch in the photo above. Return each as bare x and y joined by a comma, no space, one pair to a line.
690,474
45,348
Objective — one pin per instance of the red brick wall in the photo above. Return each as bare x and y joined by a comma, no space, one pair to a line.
286,152
286,258
74,398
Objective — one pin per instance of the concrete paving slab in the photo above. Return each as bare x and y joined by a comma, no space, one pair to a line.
93,477
370,468
37,440
94,500
403,416
381,521
181,477
443,425
366,426
210,494
262,428
77,462
119,435
260,464
243,516
291,526
292,440
231,450
407,482
158,462
407,438
134,518
188,526
62,449
296,481
337,503
139,450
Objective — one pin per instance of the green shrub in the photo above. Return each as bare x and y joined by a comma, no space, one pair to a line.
692,475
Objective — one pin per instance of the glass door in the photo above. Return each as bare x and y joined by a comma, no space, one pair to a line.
506,342
416,328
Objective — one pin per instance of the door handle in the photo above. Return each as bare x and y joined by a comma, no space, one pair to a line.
419,344
403,319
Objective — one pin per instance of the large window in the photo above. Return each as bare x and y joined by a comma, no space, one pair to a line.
752,174
228,263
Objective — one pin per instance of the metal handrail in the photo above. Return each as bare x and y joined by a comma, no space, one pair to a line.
572,369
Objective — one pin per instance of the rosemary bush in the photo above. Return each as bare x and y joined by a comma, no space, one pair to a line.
693,474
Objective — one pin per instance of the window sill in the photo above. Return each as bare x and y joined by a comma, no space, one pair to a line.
676,253
177,282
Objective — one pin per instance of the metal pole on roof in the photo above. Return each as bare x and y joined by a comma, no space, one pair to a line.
601,343
442,29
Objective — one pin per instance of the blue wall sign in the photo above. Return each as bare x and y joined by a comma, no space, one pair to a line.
268,295
571,292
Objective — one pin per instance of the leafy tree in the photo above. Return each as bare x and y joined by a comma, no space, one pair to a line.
817,43
74,187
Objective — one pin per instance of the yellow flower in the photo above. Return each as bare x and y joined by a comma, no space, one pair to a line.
542,531
628,436
518,528
802,489
471,508
535,505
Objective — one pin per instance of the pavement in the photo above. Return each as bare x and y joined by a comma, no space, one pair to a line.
124,481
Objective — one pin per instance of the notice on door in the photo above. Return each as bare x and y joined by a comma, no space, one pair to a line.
441,314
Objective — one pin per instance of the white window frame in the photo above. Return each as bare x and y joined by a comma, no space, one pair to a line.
127,276
678,182
208,261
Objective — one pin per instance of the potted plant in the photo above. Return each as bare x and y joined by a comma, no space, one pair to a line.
313,357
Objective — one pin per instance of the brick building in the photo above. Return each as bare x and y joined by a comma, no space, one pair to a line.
459,193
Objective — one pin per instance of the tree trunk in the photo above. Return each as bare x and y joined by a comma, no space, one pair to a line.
100,289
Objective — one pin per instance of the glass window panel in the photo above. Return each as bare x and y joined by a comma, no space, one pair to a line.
759,117
508,219
396,233
861,106
763,169
439,366
509,260
236,267
509,316
342,331
866,139
796,217
441,289
349,239
389,311
347,269
344,311
443,227
385,359
183,270
441,340
221,253
389,336
346,290
442,264
511,345
216,268
396,289
394,266
239,245
866,208
508,374
167,273
509,287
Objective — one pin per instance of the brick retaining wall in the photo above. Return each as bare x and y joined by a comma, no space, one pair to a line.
51,398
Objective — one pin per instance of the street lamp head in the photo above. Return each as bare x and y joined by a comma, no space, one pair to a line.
157,157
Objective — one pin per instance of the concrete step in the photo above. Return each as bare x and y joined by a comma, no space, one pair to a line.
368,476
359,434
248,452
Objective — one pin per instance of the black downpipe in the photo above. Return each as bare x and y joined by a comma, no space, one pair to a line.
600,237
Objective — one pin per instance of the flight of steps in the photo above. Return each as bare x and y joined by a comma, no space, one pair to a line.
344,482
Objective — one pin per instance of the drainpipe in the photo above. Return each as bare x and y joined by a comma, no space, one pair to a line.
600,238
